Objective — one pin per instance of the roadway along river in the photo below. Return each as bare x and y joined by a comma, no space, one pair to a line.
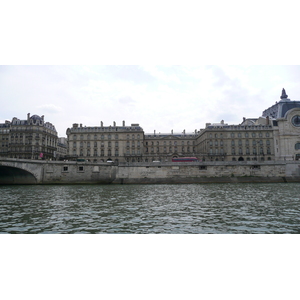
178,208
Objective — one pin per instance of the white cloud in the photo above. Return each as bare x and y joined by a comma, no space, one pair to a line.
159,98
49,108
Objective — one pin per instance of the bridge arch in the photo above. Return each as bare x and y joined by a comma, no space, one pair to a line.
14,175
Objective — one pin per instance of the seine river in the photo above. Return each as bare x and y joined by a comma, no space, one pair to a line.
168,209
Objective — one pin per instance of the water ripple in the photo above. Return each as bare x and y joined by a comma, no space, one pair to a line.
194,208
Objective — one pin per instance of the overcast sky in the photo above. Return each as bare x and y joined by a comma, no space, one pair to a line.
159,98
165,65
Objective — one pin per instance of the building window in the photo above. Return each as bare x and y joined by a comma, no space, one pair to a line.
297,146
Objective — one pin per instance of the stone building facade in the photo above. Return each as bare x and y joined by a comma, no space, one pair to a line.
105,143
287,136
62,148
32,138
246,141
273,136
163,147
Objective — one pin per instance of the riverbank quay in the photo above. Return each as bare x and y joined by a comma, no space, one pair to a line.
20,171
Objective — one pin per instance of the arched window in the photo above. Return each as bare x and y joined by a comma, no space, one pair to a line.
297,146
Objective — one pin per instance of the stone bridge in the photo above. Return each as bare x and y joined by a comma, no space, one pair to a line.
22,171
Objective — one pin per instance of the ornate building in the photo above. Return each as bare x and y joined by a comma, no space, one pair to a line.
248,141
274,136
30,139
105,143
62,148
163,147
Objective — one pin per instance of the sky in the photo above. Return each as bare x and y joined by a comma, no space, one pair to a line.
158,97
162,64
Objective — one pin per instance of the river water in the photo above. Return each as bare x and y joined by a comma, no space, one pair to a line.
169,209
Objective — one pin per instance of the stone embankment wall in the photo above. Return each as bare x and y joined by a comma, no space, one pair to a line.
13,171
71,172
207,172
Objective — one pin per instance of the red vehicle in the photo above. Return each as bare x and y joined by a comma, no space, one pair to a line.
185,159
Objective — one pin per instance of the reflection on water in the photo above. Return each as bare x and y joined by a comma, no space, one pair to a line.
188,208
